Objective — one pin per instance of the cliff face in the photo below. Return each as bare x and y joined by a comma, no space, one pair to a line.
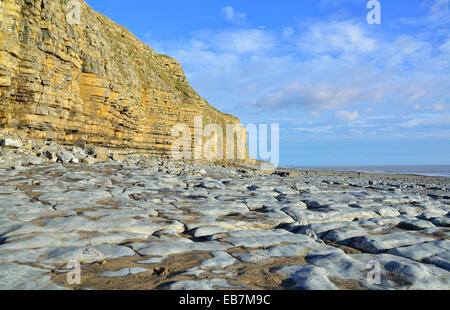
91,83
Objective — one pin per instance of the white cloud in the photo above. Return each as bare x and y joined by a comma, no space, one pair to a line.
336,3
446,46
228,12
439,107
336,36
414,122
322,129
356,132
311,97
235,17
347,115
243,40
341,67
440,12
288,32
430,120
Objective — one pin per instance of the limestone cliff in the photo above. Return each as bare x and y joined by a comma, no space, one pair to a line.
91,83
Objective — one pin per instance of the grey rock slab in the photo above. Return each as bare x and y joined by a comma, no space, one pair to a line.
396,272
412,275
370,223
339,265
39,241
21,277
415,225
207,231
310,248
310,233
266,240
116,274
132,225
152,260
441,260
394,221
25,211
254,203
220,260
344,235
256,233
195,221
435,231
253,257
323,250
124,272
167,233
219,208
297,213
291,250
340,214
387,212
85,254
43,240
24,256
13,199
306,277
422,250
317,203
380,243
210,183
155,240
276,217
120,213
192,272
224,273
285,190
67,224
19,228
322,229
429,215
170,247
205,284
409,210
441,221
75,196
110,238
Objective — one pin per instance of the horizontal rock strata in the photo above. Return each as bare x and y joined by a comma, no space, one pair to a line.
90,83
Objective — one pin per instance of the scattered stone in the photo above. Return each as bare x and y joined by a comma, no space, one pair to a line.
65,157
11,143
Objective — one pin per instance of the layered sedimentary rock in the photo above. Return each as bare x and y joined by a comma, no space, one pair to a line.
90,81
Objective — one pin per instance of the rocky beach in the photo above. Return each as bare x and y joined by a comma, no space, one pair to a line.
153,224
92,198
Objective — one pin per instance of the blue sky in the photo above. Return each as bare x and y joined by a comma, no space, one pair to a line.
343,92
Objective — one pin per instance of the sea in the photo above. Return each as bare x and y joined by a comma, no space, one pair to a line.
439,171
